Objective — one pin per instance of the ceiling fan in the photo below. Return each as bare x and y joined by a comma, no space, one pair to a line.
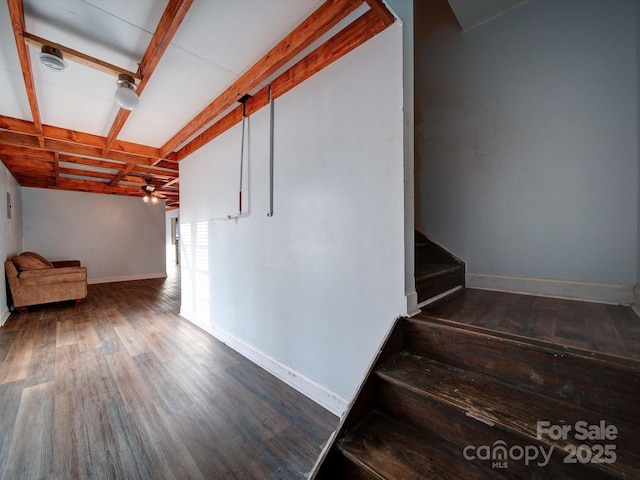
150,195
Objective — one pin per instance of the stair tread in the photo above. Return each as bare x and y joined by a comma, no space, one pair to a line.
390,449
426,271
557,372
490,401
632,364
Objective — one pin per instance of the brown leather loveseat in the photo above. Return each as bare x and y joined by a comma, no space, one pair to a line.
34,280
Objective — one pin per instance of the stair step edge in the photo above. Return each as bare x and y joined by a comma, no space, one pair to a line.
422,449
514,423
359,463
434,270
597,358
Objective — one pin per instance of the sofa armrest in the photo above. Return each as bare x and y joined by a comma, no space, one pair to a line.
66,263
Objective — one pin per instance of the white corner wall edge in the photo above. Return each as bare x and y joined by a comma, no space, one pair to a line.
635,306
144,276
4,316
412,303
323,396
611,293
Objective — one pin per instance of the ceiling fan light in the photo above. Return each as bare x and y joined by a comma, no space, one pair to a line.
51,58
126,95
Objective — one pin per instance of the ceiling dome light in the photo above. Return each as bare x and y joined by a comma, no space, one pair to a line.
126,92
51,58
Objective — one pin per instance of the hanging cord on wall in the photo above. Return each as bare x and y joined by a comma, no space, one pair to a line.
270,214
244,117
242,100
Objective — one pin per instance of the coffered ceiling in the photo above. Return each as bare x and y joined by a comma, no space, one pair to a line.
192,60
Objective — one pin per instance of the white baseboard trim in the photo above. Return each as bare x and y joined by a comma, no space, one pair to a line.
612,293
126,278
306,385
412,303
440,296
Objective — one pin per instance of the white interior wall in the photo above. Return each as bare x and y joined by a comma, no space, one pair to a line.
527,146
311,291
403,10
170,247
11,233
115,237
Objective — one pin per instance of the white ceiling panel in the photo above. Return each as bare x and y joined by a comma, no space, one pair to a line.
145,14
8,53
80,98
182,85
236,34
13,99
88,29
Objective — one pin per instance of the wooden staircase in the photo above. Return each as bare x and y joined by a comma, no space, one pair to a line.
447,400
437,272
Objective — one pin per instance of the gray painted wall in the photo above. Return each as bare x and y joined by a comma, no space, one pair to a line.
527,139
11,232
117,238
313,289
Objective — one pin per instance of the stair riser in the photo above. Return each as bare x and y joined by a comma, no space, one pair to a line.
427,289
459,431
353,471
430,253
606,388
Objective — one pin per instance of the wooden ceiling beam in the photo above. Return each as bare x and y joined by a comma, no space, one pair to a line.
381,11
23,140
29,167
41,144
362,29
34,153
121,174
19,139
90,162
318,23
78,172
16,12
96,187
145,171
167,27
78,57
168,184
18,125
57,133
57,166
171,20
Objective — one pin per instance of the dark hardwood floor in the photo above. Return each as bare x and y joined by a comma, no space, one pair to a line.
607,329
122,387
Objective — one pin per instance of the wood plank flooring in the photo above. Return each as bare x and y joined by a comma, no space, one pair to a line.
122,387
609,329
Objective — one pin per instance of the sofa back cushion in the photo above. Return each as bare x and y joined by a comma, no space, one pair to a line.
31,261
39,257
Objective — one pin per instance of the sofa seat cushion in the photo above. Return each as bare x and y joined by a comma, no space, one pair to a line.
29,262
53,276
